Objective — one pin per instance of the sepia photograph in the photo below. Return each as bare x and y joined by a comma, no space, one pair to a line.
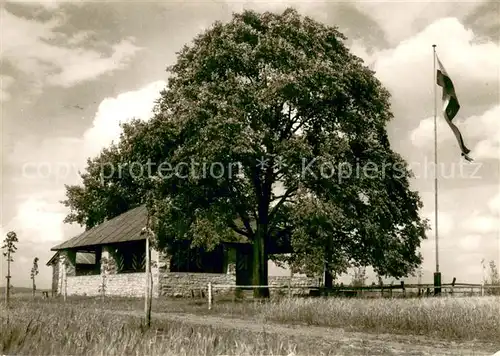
222,178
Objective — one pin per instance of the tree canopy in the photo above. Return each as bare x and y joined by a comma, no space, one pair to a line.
269,128
9,246
118,178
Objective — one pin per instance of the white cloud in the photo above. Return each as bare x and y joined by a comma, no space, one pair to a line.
37,221
407,17
467,233
358,48
474,69
309,8
481,224
424,133
47,4
38,218
470,242
87,65
407,70
445,223
31,47
55,162
483,129
494,204
5,82
112,111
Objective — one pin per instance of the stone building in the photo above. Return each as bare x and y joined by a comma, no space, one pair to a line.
110,259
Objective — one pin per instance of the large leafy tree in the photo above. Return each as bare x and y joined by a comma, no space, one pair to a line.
118,178
269,131
305,121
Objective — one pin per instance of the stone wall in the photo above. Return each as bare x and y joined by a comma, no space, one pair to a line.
126,284
165,283
55,278
300,281
177,284
84,285
173,284
132,284
120,285
67,259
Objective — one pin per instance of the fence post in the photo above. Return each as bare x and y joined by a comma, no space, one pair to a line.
209,295
103,285
65,284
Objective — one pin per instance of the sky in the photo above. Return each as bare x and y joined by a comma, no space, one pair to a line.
70,72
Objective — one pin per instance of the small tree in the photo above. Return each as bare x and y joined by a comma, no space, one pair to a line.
9,248
34,272
359,277
483,265
64,278
494,279
105,267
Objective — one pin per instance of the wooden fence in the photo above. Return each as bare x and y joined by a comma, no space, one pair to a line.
412,290
400,290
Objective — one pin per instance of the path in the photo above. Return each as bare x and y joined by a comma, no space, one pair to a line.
342,342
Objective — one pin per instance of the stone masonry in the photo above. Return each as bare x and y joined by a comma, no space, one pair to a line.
165,283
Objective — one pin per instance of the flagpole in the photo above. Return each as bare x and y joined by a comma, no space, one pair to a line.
437,274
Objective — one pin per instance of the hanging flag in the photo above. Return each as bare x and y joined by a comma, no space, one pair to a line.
450,106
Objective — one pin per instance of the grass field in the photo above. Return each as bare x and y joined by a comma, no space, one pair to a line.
68,330
89,326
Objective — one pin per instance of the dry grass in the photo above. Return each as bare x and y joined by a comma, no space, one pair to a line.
68,330
467,318
474,318
75,327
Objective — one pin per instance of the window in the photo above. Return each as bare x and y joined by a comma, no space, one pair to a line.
130,257
86,264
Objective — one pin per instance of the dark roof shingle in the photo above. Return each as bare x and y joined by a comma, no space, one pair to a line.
125,227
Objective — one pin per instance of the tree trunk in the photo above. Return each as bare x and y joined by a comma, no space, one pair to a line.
34,287
7,289
259,275
328,279
147,305
328,274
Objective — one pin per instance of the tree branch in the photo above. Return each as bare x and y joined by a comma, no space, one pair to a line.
246,222
288,127
239,231
233,189
285,196
282,196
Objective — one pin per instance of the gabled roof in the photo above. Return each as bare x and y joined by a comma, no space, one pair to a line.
125,227
53,259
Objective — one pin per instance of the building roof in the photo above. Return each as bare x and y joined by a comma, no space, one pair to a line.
53,259
128,227
125,227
